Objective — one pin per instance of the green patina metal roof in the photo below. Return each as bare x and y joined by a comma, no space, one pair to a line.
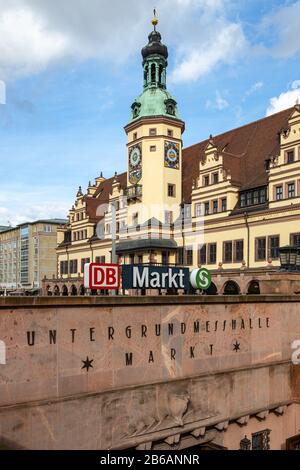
154,102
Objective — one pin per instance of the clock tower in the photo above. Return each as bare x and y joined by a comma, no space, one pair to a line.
154,142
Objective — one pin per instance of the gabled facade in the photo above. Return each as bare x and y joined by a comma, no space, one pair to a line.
226,203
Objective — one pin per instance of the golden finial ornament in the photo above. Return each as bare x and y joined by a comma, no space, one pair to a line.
155,20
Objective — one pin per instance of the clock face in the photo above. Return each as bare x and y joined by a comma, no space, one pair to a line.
135,157
135,164
172,155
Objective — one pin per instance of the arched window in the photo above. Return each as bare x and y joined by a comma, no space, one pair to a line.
65,292
212,290
146,71
49,292
153,73
253,288
160,73
56,291
73,291
170,110
231,288
82,290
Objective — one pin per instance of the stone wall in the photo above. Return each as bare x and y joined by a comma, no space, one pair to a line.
102,373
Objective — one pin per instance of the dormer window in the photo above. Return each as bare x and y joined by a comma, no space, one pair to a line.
170,107
135,109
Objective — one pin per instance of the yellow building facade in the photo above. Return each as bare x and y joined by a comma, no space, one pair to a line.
227,203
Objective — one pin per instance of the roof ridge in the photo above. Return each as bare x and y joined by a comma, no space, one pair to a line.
241,127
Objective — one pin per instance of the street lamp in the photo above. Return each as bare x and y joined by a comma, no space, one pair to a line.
289,258
245,444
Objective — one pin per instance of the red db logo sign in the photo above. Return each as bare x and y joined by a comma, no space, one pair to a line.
102,276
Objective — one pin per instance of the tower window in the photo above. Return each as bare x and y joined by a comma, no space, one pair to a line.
153,148
160,73
153,73
134,135
170,133
152,132
171,190
170,110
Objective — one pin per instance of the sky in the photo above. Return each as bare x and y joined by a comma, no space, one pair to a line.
70,70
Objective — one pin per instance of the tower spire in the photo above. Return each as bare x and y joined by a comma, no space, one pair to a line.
155,19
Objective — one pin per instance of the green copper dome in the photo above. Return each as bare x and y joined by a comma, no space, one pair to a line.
154,102
155,99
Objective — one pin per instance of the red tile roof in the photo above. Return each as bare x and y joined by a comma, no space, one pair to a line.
245,151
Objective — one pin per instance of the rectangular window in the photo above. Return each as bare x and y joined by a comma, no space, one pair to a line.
212,253
152,148
100,259
134,135
224,204
261,440
47,228
290,156
206,208
215,207
170,133
131,259
255,197
198,210
262,196
206,181
291,190
73,266
215,178
260,250
249,198
180,256
227,252
202,258
279,193
243,200
295,239
140,259
274,243
239,250
152,132
189,256
171,190
165,258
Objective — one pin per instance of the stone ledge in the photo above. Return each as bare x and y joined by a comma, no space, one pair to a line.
38,302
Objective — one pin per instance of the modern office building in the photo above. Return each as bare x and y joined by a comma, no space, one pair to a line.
27,255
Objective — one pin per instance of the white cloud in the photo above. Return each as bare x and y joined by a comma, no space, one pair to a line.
255,87
35,34
218,103
282,27
285,100
17,207
223,45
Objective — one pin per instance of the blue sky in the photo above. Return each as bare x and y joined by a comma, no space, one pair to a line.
73,68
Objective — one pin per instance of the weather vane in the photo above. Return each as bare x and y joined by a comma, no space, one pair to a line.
155,20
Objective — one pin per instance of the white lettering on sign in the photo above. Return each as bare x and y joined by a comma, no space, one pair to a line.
156,280
2,353
102,276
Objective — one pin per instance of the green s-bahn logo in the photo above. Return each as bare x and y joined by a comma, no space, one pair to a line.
200,279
